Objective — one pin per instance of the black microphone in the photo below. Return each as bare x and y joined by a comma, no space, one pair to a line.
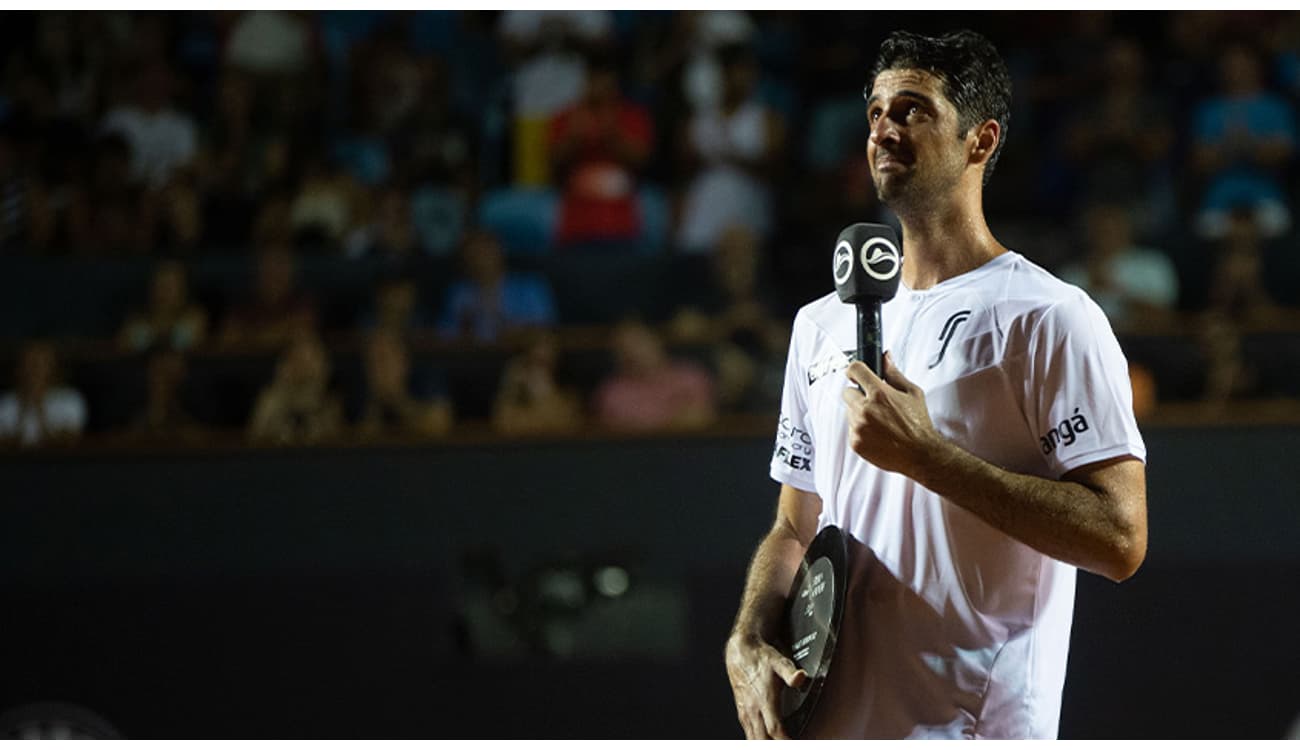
867,262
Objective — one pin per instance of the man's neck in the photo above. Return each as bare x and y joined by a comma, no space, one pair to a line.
945,241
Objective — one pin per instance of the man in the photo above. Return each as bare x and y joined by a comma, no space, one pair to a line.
997,454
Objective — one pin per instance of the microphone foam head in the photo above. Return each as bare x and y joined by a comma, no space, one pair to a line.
867,262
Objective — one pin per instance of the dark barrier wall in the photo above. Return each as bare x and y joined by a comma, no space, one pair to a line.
447,591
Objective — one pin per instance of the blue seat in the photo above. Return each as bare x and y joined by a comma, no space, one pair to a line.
524,220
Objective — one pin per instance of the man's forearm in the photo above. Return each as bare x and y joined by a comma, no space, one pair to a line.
1088,527
771,572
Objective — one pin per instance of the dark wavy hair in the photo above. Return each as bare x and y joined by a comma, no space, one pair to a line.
975,78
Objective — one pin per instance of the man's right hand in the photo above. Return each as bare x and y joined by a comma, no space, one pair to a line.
757,671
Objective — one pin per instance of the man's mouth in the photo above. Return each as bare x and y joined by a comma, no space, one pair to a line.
890,162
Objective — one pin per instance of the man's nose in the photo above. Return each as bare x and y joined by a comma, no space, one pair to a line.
884,130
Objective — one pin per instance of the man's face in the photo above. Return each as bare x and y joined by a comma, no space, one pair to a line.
915,150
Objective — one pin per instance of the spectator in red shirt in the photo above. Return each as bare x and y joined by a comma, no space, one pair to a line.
597,148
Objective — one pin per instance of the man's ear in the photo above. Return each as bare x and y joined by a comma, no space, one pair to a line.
987,136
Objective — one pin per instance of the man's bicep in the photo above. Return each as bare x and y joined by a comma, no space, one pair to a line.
798,511
1123,478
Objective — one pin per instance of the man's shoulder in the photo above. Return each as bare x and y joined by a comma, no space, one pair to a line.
1019,296
820,312
1026,287
1045,305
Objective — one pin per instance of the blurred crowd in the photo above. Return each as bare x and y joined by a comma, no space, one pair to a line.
320,226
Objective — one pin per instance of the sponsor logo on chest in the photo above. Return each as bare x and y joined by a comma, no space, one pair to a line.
830,364
946,335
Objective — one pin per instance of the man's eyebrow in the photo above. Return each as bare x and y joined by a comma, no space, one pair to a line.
911,93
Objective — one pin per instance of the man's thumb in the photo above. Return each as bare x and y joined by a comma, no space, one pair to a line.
789,673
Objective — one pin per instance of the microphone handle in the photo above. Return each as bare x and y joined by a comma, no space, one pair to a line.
869,335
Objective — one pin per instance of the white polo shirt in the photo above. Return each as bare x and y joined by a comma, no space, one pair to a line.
954,629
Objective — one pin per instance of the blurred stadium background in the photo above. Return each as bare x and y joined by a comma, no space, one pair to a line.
400,374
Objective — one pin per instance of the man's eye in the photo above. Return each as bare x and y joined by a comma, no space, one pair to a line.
873,115
913,110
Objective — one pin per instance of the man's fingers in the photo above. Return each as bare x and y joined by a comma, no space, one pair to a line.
895,376
859,373
791,675
755,705
757,685
772,723
865,381
749,719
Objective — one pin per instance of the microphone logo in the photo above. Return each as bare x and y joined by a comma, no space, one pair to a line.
880,258
843,262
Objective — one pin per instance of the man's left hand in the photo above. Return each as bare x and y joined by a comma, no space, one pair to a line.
889,424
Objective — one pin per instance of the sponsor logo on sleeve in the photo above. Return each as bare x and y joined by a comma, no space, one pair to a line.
794,446
1064,433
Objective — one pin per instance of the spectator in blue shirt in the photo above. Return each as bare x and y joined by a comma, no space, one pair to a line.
492,302
1244,139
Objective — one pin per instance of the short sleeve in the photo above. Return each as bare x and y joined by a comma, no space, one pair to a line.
1078,397
792,457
